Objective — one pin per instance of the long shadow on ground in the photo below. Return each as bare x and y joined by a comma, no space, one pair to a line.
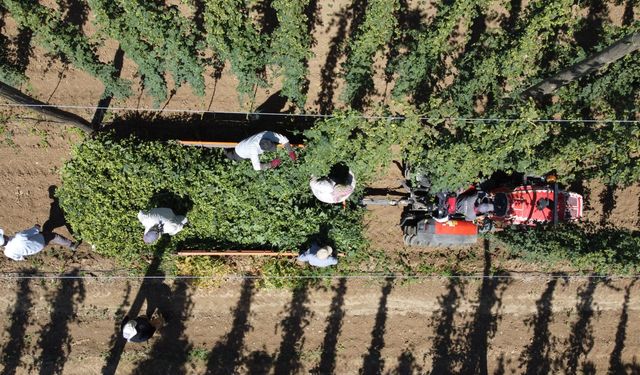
20,317
335,319
536,356
373,363
170,351
485,322
288,359
219,127
445,336
147,292
616,366
226,355
55,339
581,340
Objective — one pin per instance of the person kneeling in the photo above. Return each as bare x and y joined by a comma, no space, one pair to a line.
159,221
318,256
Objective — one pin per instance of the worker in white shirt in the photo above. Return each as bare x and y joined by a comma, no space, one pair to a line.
31,241
254,146
159,221
331,189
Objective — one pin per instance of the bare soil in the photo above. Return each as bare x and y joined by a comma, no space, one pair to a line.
439,325
533,325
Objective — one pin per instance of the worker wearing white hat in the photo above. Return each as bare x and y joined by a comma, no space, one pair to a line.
318,256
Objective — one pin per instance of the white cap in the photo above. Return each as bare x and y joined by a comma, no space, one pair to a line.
324,252
1,237
129,330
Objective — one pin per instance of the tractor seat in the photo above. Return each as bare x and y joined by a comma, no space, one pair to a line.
500,204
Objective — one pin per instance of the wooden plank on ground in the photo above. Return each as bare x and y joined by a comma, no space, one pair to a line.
238,253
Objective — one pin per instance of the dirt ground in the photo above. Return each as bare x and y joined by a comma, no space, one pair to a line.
437,325
497,326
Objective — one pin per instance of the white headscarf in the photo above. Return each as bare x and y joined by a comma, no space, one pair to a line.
129,330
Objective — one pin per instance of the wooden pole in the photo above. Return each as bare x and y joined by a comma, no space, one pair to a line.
16,96
238,252
608,55
221,253
223,144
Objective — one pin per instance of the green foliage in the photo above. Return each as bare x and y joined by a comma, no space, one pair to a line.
424,62
493,72
234,38
290,48
372,36
364,145
107,182
157,38
67,41
603,251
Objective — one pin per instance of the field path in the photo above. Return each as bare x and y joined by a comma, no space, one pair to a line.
524,325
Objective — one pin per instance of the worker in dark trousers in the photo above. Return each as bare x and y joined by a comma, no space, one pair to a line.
141,328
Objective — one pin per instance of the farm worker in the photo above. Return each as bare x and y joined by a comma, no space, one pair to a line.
141,328
473,205
331,189
318,256
159,221
254,146
31,241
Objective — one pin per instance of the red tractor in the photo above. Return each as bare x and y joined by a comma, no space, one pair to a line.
503,201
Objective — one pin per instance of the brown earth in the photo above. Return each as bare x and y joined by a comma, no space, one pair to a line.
496,326
527,325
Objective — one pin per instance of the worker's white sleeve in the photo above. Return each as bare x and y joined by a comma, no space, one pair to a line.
255,162
147,220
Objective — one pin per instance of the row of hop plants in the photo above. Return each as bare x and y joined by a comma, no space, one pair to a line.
161,40
228,204
491,67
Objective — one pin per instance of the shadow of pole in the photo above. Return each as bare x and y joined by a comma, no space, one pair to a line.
225,357
170,351
615,361
55,340
608,200
536,355
485,322
336,50
580,341
20,316
117,343
75,12
444,340
105,102
288,359
407,364
259,362
327,363
373,362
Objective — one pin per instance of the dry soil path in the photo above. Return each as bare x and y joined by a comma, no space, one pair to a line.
496,326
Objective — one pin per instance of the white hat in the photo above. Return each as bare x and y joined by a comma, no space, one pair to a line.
324,252
1,236
129,330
